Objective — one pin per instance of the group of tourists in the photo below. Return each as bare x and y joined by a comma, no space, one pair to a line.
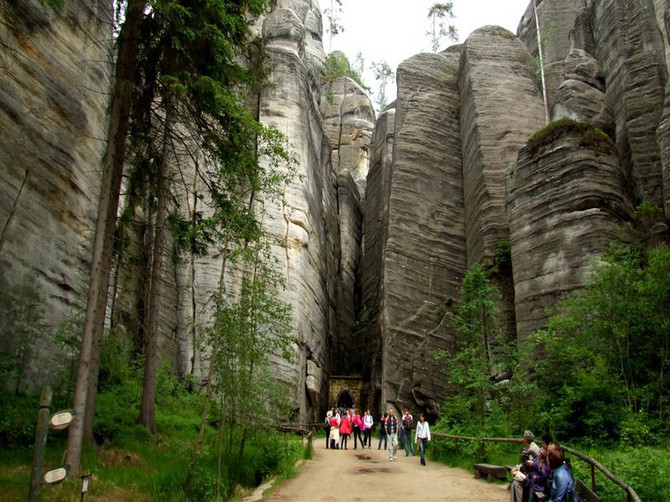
543,474
340,423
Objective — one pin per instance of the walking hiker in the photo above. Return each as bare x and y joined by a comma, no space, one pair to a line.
392,433
422,436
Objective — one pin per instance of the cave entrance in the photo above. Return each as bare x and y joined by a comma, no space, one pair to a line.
346,391
344,400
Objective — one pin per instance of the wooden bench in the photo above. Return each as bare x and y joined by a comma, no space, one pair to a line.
585,493
490,471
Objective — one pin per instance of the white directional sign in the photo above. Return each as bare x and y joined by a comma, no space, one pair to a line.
55,475
61,419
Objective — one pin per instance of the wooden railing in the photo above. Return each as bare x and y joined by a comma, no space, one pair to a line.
632,496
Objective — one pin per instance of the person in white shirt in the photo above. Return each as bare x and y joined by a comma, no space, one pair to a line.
422,436
367,429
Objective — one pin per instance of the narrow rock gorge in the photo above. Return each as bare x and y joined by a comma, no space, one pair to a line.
388,210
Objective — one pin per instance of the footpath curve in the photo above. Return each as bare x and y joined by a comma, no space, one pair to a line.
368,475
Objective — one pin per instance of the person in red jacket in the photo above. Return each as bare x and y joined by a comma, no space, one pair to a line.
345,430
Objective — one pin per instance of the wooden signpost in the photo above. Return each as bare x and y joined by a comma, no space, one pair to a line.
57,421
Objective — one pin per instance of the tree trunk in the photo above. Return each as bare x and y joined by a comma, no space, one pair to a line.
107,210
547,118
148,406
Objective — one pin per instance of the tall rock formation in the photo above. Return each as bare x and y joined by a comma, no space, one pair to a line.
627,41
348,120
566,197
54,92
423,255
375,225
495,77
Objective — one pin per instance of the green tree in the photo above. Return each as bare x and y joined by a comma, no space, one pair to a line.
251,325
605,351
477,355
384,75
99,276
193,86
333,26
438,30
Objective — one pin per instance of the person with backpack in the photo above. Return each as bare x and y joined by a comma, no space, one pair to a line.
406,433
562,483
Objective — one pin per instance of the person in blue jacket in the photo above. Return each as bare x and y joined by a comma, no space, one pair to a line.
562,483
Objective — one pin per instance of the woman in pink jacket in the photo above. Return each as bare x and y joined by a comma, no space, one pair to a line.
345,430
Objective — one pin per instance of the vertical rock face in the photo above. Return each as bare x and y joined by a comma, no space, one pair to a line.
565,197
626,39
375,224
54,88
581,95
306,225
424,250
631,51
663,131
557,20
349,119
494,80
348,354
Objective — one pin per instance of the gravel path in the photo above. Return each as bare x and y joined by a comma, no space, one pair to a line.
368,475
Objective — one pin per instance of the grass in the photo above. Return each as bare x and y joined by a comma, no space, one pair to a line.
590,136
132,465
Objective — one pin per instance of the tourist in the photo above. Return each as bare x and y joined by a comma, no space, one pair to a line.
540,472
368,422
334,431
382,432
406,433
326,426
562,482
520,485
357,425
422,436
392,433
345,430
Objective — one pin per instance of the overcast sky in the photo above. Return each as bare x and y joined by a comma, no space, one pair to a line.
393,30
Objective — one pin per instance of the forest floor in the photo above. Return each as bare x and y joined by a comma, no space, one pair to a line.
368,475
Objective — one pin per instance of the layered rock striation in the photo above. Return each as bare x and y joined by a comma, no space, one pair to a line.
565,198
54,91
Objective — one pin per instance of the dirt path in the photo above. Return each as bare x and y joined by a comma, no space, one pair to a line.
368,475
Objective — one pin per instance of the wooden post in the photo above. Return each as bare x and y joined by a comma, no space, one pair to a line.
593,478
40,445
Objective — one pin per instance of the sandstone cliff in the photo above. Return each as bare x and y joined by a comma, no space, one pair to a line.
54,88
375,234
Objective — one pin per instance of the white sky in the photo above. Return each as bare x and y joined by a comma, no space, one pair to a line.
394,30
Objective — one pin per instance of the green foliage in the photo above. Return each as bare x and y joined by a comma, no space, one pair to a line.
252,326
333,15
337,65
438,30
645,469
503,257
606,350
591,136
131,460
474,400
385,75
